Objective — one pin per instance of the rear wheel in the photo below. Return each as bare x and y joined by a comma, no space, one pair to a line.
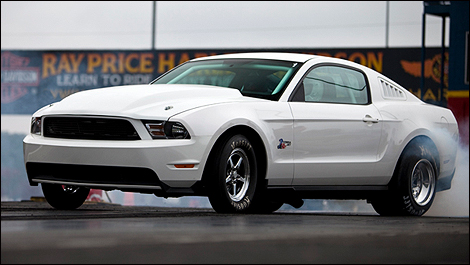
414,186
64,197
233,179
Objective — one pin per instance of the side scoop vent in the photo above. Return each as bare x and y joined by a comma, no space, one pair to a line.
391,92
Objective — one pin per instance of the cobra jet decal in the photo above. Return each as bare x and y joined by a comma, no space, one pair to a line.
283,144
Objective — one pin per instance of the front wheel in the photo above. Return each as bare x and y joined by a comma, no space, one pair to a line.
64,197
233,178
414,187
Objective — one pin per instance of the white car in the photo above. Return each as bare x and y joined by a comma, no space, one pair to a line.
250,131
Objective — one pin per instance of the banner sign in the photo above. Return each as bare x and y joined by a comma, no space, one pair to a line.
32,79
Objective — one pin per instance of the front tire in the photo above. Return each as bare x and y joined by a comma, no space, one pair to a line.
233,179
64,197
414,186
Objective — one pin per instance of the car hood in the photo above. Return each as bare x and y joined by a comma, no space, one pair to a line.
143,101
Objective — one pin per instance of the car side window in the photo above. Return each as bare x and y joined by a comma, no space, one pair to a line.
333,84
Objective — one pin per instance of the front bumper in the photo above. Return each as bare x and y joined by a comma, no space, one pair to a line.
139,164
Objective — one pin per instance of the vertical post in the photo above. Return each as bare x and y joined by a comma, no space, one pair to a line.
387,19
154,11
423,53
443,47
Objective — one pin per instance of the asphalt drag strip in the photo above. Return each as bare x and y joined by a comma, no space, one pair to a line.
34,232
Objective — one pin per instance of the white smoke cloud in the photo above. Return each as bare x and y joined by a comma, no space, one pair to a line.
455,201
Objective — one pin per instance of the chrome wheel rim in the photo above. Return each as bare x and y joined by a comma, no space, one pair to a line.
422,182
237,178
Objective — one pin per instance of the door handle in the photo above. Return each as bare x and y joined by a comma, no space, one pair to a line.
369,118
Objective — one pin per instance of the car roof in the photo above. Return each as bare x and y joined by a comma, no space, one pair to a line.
284,56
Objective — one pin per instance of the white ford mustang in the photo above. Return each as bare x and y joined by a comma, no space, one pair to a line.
250,131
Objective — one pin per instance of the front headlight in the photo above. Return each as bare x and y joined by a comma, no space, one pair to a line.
176,130
36,125
166,130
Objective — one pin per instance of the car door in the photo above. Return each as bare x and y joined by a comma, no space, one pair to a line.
336,131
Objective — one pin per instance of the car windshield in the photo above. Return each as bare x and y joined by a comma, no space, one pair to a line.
254,77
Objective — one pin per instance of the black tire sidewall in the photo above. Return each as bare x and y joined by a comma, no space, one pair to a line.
59,199
218,194
404,196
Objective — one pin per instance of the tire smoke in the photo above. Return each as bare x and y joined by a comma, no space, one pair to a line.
455,201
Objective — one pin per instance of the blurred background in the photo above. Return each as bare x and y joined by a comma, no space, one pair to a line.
53,49
215,24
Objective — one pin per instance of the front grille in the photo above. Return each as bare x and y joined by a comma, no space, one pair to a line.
89,128
110,175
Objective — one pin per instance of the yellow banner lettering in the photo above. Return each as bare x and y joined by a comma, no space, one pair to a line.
146,65
76,61
109,63
429,95
94,60
48,64
200,54
373,62
165,64
64,64
184,57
